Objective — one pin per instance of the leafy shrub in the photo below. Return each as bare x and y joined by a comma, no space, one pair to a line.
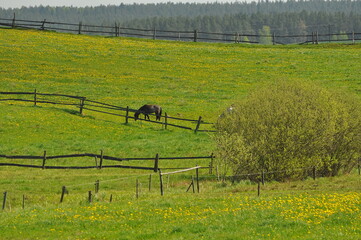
290,125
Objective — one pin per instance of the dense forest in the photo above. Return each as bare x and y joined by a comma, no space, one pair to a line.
279,17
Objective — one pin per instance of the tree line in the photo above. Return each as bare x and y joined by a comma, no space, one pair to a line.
279,17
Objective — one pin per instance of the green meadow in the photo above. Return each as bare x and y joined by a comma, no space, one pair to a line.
188,80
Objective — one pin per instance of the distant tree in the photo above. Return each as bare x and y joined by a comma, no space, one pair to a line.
265,35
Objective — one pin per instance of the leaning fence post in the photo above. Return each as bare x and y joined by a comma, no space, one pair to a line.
63,190
191,185
35,97
4,200
156,160
44,160
198,124
42,25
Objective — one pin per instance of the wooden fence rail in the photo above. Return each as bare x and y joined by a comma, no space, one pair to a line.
84,103
195,35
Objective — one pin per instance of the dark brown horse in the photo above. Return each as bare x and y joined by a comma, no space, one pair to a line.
147,109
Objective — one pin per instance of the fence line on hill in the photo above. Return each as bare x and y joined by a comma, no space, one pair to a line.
117,31
96,106
99,159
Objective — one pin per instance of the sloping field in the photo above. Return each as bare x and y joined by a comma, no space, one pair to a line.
188,80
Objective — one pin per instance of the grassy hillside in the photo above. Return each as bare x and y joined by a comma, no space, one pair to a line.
187,80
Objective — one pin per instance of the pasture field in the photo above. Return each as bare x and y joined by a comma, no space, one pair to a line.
188,80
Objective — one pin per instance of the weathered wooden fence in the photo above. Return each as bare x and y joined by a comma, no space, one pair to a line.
98,161
236,37
83,103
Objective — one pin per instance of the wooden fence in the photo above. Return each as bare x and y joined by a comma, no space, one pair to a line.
98,161
236,37
82,103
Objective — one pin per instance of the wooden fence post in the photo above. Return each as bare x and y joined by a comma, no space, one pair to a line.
154,34
101,159
150,182
4,200
198,124
359,167
63,190
23,201
43,25
161,182
80,25
90,196
195,38
156,160
35,97
96,186
116,29
274,38
111,198
211,164
191,185
82,100
13,23
197,178
165,120
137,188
127,115
353,37
313,37
44,160
259,189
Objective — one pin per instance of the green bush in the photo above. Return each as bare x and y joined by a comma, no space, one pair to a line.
287,126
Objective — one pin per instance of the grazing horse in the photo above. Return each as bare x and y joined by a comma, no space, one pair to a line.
147,109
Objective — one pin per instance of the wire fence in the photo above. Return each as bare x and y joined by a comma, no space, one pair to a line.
116,30
83,103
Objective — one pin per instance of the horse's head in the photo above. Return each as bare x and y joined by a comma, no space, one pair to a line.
136,115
